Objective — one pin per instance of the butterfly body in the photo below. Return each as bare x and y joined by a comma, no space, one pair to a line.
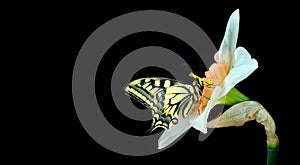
167,98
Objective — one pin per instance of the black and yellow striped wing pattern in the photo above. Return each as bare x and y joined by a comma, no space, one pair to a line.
167,98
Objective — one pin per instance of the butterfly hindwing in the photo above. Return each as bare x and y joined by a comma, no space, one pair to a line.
180,98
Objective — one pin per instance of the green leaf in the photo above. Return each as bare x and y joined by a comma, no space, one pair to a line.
233,97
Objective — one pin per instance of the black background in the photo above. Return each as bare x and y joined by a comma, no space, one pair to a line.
266,31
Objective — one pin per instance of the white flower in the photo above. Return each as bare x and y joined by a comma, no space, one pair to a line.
232,66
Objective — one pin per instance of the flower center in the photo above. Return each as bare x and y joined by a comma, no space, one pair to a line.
214,76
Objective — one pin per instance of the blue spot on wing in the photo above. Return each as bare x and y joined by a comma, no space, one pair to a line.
160,105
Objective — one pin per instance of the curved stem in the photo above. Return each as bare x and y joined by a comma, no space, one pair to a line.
240,113
272,153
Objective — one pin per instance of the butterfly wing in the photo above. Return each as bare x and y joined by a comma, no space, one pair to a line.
167,98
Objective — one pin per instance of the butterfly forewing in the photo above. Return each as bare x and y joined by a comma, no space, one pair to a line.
144,89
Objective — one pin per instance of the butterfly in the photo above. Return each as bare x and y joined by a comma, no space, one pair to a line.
167,98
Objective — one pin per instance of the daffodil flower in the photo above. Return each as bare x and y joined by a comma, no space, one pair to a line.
232,66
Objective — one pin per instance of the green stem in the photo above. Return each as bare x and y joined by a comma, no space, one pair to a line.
272,153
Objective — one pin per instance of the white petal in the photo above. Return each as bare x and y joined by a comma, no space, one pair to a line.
229,41
201,122
171,134
243,67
